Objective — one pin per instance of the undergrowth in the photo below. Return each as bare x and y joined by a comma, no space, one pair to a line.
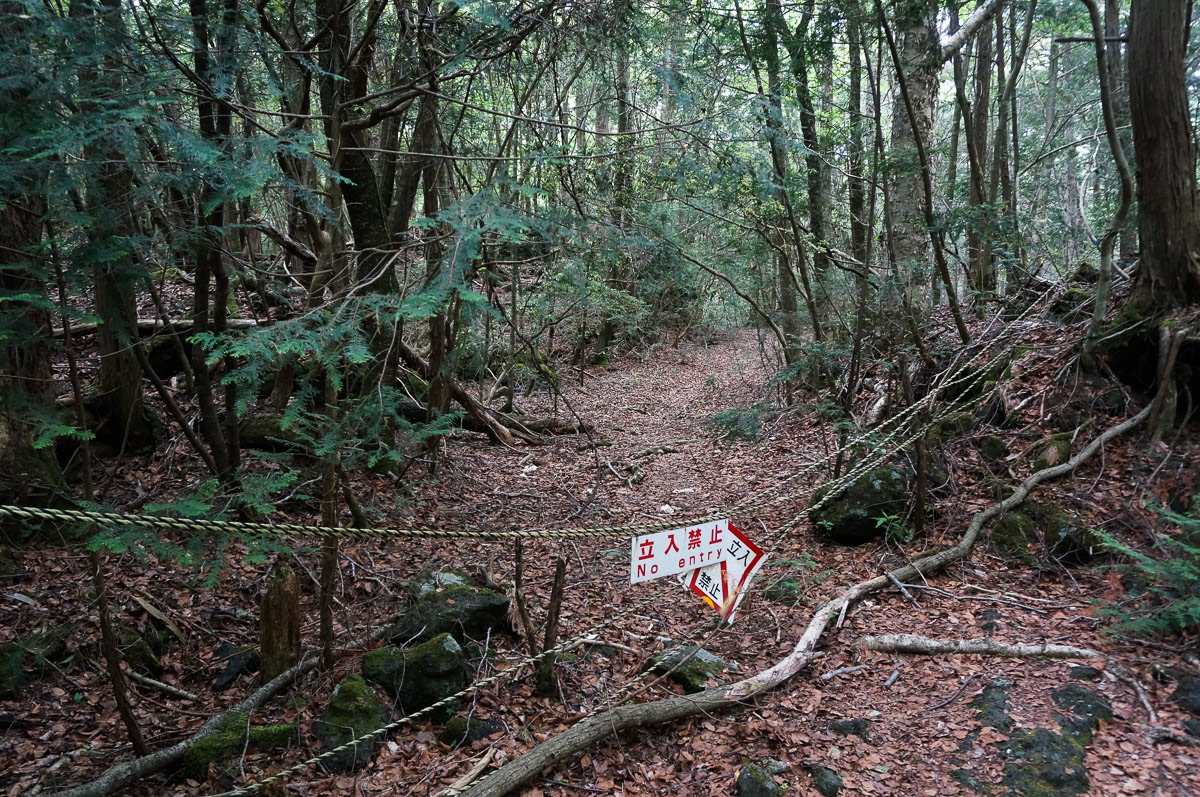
1170,600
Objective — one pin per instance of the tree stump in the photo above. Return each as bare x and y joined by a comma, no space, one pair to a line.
279,622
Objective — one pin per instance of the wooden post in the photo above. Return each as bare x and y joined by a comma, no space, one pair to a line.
279,622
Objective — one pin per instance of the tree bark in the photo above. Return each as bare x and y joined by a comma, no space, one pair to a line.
1163,144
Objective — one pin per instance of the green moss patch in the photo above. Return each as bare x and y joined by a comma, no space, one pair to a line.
230,739
353,711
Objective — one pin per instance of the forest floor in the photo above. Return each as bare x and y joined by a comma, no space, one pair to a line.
652,457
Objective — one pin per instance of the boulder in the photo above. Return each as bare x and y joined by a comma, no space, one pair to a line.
466,611
419,676
852,516
1065,539
353,711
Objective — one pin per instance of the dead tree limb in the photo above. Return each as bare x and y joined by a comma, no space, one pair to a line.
591,730
928,646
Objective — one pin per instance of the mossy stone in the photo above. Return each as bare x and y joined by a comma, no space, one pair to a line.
420,676
754,781
1087,709
12,566
1012,535
825,780
463,729
991,705
139,655
465,611
1052,451
229,739
353,711
12,670
693,674
851,517
1044,764
1066,541
993,449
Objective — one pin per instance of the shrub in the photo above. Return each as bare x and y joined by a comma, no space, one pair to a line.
1170,601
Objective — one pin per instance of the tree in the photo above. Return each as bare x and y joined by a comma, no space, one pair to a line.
1165,155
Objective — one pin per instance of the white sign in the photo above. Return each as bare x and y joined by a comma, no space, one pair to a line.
723,585
667,553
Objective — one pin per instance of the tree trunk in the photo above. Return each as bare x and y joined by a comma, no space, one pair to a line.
1169,276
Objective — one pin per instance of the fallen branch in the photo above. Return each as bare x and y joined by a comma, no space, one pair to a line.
469,778
592,729
173,691
928,646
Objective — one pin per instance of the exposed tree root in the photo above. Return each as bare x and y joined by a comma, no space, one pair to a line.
599,726
928,646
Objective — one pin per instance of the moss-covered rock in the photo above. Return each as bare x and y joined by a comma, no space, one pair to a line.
1053,450
465,611
754,781
851,517
1044,764
139,655
353,711
1065,539
1087,709
1187,694
463,729
993,449
12,671
420,676
12,566
825,780
991,705
230,738
1013,534
697,669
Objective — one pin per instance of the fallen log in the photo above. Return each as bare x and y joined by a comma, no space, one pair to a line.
928,646
599,726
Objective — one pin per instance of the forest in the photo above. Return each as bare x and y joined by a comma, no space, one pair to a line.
353,353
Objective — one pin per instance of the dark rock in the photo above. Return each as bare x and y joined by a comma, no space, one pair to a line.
1192,726
1088,708
1187,694
430,582
239,661
231,737
1085,673
991,705
852,516
353,711
12,670
1012,535
462,729
693,674
139,655
1044,764
1065,540
993,449
466,612
420,676
825,780
754,781
855,727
